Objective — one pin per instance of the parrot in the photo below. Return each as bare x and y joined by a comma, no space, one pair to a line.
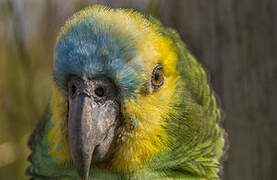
128,101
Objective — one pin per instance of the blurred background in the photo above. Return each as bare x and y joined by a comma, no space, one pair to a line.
235,40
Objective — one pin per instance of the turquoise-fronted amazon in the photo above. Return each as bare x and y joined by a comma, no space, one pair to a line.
129,101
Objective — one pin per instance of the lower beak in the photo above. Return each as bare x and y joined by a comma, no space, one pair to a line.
88,124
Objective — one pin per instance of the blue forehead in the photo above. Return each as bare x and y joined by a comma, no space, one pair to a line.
90,49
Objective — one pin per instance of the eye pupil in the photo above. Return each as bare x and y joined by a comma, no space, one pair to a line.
157,76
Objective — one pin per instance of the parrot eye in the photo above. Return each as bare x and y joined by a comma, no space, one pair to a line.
157,78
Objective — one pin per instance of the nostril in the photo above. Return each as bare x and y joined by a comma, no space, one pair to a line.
73,90
99,91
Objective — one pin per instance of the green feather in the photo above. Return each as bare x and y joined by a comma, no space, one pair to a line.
198,139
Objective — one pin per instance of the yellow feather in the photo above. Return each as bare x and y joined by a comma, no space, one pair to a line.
59,146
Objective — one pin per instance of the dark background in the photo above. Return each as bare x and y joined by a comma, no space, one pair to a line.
235,40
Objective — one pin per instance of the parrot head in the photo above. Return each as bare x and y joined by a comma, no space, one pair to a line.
128,95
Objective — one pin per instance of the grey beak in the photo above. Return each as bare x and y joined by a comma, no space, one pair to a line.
90,118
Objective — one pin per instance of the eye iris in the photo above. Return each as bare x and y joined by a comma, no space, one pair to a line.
157,76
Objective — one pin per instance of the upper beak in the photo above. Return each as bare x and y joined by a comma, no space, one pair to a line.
88,125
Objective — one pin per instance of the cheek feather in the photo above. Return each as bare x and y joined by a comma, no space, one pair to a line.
146,139
57,137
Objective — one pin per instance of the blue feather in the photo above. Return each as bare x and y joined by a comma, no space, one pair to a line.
90,50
